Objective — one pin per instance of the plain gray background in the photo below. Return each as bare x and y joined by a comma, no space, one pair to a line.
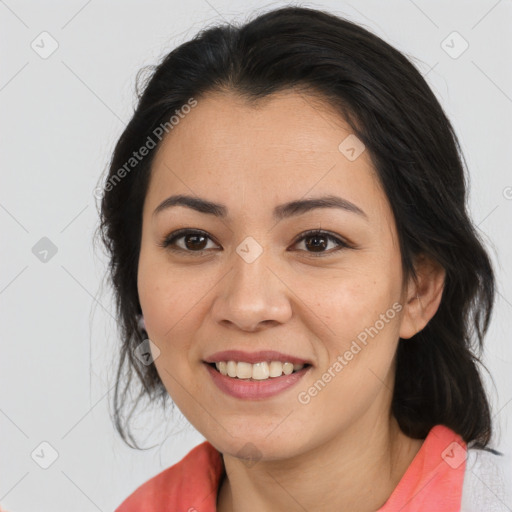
61,115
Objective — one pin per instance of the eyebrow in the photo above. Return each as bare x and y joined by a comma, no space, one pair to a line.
282,211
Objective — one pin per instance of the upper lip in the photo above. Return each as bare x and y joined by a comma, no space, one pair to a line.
254,357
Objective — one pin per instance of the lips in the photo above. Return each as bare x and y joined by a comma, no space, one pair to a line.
249,389
229,370
255,357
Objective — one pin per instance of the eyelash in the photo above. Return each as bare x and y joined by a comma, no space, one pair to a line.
170,239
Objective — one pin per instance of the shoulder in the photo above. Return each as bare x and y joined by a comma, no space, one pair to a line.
190,483
487,481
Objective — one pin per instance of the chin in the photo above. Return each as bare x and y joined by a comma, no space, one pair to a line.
258,444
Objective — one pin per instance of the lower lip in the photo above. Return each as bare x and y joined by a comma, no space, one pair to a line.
255,389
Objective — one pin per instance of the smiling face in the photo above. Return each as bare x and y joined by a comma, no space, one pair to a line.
250,281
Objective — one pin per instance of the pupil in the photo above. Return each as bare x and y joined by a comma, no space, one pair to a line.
316,244
194,238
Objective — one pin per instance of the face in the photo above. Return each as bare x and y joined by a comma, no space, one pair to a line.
252,281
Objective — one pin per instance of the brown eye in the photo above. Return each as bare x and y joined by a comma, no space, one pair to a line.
318,241
193,241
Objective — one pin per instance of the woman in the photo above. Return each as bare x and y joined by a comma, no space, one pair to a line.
295,267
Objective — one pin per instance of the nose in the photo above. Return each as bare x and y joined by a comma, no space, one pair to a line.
252,296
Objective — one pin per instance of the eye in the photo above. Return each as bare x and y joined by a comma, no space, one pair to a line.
319,240
195,242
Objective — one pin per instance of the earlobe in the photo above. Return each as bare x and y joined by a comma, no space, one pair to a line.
423,296
141,323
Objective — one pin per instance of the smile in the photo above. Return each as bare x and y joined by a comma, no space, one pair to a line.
250,388
258,371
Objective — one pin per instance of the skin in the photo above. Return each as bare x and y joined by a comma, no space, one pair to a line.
344,449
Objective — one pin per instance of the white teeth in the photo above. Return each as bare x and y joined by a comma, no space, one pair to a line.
258,371
287,368
231,368
244,370
222,367
276,369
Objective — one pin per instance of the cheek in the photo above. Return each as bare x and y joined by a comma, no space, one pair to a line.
175,302
166,293
358,348
362,312
354,299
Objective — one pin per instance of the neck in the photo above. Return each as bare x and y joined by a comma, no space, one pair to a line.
355,471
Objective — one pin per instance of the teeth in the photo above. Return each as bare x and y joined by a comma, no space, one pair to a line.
244,370
222,367
258,371
276,369
287,368
231,368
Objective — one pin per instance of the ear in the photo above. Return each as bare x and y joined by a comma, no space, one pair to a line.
423,296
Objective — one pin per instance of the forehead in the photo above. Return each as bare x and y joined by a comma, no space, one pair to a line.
281,147
283,122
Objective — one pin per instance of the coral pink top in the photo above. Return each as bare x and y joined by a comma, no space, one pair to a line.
433,481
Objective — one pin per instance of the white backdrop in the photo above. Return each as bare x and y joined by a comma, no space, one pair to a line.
66,91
